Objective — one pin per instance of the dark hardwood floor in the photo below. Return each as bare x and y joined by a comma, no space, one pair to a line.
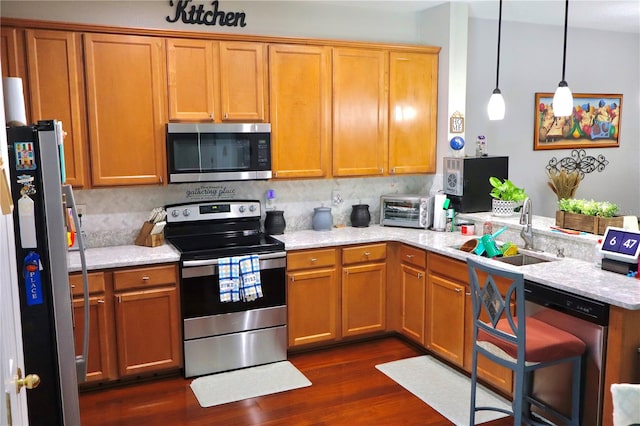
346,389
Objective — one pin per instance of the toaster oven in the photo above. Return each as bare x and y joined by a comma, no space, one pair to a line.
408,211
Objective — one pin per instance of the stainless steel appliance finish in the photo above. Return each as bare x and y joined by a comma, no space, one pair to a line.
220,336
201,152
588,320
406,210
35,154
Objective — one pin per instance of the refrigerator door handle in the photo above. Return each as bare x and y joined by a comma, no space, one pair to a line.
81,360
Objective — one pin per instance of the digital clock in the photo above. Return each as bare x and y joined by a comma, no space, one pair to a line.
621,244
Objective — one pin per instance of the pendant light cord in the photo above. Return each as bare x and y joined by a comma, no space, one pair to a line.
564,50
498,54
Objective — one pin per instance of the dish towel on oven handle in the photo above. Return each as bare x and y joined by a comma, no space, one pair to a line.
229,279
250,285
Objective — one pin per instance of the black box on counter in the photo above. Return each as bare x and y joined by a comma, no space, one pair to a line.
619,267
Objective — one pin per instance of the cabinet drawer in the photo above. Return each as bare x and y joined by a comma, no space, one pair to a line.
144,277
96,283
364,253
311,259
413,256
448,267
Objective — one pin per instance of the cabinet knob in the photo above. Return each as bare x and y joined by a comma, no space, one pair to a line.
367,253
314,260
100,300
419,274
410,256
226,115
211,116
458,290
145,278
73,286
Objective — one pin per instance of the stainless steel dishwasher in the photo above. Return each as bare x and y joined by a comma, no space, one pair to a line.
587,319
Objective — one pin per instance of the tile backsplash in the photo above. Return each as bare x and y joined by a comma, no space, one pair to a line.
114,215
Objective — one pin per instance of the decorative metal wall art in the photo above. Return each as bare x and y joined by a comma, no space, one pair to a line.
594,122
578,162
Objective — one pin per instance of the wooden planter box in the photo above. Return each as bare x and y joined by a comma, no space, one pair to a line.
581,222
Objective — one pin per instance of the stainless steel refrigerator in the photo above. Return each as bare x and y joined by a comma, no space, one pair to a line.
43,221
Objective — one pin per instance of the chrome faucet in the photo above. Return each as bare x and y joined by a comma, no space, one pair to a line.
526,233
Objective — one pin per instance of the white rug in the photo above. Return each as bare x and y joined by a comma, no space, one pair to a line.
246,383
444,389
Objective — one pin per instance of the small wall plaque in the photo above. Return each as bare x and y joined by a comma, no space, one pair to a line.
456,123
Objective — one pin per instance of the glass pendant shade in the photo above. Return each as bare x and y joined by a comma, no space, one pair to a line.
496,106
562,101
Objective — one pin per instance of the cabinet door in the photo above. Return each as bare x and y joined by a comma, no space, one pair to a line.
414,298
11,48
363,298
126,93
193,84
413,97
147,331
312,306
359,112
300,100
99,361
242,81
56,91
446,304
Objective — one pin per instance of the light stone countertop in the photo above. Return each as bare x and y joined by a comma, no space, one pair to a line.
574,275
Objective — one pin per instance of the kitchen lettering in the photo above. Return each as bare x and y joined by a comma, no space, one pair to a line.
197,15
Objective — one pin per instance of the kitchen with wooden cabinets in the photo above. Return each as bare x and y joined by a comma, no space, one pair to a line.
323,125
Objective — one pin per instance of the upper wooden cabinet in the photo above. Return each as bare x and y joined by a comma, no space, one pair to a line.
413,102
216,81
300,100
126,94
359,111
11,57
56,91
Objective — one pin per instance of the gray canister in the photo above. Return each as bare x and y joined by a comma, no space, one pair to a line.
322,219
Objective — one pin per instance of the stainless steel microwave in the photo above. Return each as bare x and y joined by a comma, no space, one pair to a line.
408,211
205,152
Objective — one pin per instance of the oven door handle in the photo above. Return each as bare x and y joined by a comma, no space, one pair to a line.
212,262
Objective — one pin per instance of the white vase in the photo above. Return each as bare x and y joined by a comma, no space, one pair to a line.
503,207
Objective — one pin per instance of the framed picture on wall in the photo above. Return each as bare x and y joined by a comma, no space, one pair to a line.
594,122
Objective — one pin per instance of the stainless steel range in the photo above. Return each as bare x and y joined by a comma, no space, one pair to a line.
226,335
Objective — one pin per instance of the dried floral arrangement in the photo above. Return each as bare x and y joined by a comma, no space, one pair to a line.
564,184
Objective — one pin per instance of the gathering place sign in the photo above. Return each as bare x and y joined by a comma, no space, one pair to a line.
192,14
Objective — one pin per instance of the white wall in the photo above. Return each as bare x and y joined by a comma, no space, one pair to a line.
530,62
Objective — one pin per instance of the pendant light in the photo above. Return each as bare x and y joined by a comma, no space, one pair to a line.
496,102
563,99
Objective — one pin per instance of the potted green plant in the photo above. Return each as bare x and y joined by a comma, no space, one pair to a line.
507,197
587,215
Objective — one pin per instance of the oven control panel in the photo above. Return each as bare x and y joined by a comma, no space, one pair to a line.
224,209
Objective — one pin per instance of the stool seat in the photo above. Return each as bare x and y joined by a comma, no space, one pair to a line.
543,342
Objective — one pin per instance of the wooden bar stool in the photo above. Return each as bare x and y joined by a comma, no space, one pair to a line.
523,344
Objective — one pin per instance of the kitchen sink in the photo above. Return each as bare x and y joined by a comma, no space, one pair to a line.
523,259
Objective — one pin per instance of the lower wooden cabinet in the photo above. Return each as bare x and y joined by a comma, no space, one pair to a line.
450,319
134,322
364,279
100,356
147,331
312,296
413,275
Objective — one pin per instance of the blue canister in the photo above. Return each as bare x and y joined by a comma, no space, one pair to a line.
322,219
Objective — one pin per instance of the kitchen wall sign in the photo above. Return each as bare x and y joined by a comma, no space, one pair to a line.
594,122
456,123
198,15
209,192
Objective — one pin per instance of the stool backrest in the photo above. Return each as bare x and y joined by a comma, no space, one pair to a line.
488,283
